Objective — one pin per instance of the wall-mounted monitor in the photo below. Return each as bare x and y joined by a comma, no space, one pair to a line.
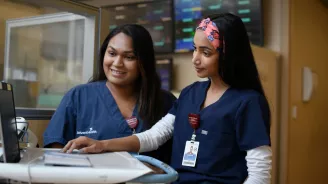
155,16
164,69
188,14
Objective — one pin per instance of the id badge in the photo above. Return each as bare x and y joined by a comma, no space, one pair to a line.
190,153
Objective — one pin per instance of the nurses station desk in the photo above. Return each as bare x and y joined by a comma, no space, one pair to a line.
115,167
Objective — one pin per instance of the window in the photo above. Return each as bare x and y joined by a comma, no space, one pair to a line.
47,55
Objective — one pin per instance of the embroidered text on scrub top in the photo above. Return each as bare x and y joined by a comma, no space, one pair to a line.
90,131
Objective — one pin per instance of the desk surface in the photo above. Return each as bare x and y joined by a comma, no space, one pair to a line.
116,167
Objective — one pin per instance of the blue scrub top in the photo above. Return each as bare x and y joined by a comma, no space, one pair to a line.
237,122
90,110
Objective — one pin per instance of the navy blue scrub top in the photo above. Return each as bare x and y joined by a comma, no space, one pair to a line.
237,122
90,110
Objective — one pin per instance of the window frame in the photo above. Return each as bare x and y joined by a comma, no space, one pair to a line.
71,8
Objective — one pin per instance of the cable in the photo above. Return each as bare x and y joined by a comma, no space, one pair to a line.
23,130
29,168
25,134
25,122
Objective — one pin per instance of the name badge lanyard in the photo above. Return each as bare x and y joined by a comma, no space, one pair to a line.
194,120
192,147
133,123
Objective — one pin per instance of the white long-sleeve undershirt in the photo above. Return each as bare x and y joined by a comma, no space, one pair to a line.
258,159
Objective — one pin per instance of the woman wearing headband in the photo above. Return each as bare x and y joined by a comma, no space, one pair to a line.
220,127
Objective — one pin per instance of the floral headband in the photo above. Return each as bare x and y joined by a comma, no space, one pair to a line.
212,33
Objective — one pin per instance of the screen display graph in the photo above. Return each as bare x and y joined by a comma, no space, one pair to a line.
188,14
155,16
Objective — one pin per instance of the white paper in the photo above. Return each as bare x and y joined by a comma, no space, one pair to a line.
114,167
64,159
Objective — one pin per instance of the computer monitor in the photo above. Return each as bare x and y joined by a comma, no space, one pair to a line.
8,125
164,69
155,16
188,14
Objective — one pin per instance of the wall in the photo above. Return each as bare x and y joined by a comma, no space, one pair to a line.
307,132
38,127
284,93
10,10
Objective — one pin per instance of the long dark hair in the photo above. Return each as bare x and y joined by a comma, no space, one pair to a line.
237,66
148,84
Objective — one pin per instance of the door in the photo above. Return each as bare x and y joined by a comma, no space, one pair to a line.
308,121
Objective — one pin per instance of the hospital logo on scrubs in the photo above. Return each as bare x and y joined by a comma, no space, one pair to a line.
204,132
90,131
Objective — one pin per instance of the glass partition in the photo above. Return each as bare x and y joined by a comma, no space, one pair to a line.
47,55
46,48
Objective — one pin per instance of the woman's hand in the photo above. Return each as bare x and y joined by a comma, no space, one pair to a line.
85,145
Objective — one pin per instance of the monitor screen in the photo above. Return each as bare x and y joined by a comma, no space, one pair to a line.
188,14
164,70
155,16
8,127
